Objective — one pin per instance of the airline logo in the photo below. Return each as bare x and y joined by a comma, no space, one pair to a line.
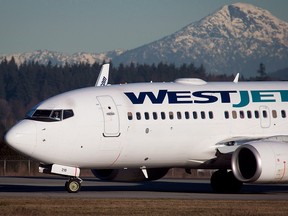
104,81
238,99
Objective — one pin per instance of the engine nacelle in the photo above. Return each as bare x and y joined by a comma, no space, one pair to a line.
129,175
261,161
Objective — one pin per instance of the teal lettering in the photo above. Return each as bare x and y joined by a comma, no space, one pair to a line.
262,96
284,95
244,99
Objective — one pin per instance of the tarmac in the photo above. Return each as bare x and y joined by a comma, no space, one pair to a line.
161,189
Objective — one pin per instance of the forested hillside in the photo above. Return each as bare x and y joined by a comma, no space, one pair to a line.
22,87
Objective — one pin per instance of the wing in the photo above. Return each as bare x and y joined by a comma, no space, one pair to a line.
254,145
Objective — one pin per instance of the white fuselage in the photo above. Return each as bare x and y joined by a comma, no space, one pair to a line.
131,125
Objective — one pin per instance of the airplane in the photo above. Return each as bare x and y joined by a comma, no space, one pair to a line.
138,131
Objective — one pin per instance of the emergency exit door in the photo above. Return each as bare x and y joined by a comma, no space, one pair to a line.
110,116
265,120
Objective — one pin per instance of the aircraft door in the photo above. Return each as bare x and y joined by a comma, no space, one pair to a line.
110,116
265,120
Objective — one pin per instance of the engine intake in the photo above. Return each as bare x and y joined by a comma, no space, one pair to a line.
261,161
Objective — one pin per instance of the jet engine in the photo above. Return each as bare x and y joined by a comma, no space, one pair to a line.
129,175
261,162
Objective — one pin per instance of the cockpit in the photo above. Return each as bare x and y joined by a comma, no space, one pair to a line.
49,115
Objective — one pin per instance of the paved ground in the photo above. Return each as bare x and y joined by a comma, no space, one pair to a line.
164,188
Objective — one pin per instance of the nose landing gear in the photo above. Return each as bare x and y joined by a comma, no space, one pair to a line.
73,185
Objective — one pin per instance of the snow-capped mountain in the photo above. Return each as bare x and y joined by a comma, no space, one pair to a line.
58,58
236,38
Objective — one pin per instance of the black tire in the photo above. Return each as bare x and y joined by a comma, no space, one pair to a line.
73,185
218,182
225,182
233,184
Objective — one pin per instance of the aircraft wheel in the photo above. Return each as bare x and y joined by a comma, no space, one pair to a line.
73,185
217,181
225,182
234,185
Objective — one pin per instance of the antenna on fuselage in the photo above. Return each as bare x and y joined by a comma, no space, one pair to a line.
236,79
102,79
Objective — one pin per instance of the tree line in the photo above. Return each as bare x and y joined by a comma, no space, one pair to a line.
23,86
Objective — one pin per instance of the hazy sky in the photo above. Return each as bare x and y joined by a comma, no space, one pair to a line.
101,25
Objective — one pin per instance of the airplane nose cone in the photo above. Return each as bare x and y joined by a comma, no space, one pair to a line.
22,137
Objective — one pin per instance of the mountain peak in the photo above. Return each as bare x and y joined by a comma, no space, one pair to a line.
235,38
238,10
245,20
245,7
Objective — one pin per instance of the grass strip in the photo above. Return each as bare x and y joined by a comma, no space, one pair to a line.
73,206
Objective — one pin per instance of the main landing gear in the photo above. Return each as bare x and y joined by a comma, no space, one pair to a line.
225,182
73,185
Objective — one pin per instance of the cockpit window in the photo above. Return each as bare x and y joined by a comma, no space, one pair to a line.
67,114
41,114
49,115
56,115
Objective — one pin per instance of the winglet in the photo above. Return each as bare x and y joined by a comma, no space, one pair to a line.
102,79
236,79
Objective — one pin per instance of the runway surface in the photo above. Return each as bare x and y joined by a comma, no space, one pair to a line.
161,189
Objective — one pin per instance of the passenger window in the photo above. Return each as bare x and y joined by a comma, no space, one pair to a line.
226,115
274,113
138,115
203,116
187,115
249,114
256,113
241,113
163,116
146,114
234,114
210,113
171,116
155,116
283,113
264,114
130,116
179,116
195,116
